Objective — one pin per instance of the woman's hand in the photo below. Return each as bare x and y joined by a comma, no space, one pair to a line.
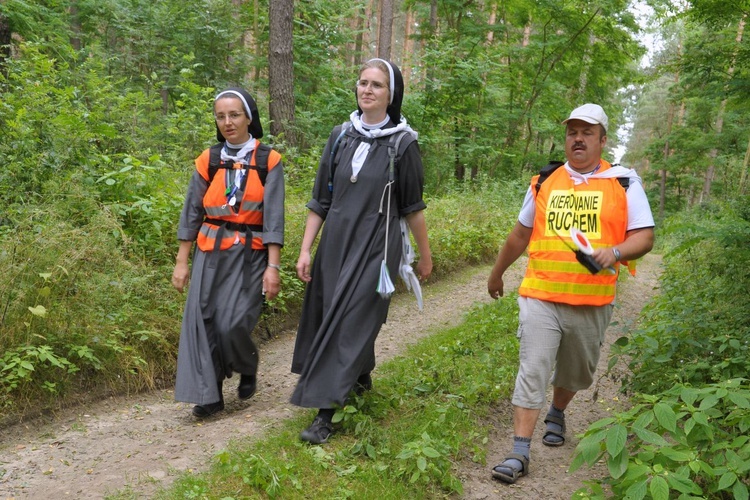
303,266
424,268
180,276
271,282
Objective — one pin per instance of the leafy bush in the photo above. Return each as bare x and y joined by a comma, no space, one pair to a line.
696,331
687,434
686,442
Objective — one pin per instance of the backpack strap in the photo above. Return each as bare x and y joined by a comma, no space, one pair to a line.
215,162
547,170
393,152
331,160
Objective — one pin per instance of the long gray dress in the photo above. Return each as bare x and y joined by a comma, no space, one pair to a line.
219,314
342,312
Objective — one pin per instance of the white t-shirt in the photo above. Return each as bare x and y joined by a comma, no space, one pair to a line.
639,210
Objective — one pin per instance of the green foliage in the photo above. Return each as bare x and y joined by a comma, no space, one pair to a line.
694,332
686,435
400,440
687,442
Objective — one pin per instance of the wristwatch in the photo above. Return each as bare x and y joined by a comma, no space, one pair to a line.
617,253
274,266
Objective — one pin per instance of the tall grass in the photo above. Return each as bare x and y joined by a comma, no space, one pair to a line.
86,301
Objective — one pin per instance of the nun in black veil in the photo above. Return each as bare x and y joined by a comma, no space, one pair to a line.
342,311
235,216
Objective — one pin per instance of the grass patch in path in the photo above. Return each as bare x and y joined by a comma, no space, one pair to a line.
400,440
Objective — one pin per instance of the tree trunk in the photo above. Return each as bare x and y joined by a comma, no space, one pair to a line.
385,29
281,70
5,33
710,171
743,175
409,56
75,26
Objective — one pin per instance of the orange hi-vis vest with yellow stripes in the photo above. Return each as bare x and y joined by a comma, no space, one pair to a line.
247,214
600,210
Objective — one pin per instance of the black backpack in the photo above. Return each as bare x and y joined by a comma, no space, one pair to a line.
261,161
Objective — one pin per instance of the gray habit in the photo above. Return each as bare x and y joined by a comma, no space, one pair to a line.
342,312
219,314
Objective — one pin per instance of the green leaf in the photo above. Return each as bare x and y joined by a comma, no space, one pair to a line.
651,437
40,311
430,452
708,402
727,480
675,455
602,423
683,484
688,395
666,416
739,399
590,449
637,490
689,425
616,438
618,464
740,491
659,488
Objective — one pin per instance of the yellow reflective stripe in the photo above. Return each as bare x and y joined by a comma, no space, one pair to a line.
216,211
558,245
569,288
558,266
555,245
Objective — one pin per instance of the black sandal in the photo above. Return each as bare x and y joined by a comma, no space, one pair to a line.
498,471
551,432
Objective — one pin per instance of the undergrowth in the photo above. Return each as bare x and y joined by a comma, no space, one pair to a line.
401,440
687,434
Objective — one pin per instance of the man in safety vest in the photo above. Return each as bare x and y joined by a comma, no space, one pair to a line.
564,308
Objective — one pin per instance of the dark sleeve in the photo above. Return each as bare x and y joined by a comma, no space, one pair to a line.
193,212
273,206
410,181
321,196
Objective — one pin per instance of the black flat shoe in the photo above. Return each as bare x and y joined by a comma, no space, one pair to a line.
364,384
247,387
318,432
203,411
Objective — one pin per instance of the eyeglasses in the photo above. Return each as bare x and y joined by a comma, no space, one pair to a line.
363,84
233,117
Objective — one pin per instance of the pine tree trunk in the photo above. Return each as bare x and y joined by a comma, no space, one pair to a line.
281,70
5,33
385,29
711,170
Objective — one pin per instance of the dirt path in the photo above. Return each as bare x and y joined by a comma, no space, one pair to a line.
145,440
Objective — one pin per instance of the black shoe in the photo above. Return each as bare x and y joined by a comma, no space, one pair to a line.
364,383
203,411
318,432
247,387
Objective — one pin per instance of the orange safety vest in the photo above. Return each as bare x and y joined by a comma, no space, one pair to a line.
249,217
600,210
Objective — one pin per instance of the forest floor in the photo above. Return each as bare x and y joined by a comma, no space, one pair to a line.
143,441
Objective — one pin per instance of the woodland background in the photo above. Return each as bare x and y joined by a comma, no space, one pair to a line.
104,104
